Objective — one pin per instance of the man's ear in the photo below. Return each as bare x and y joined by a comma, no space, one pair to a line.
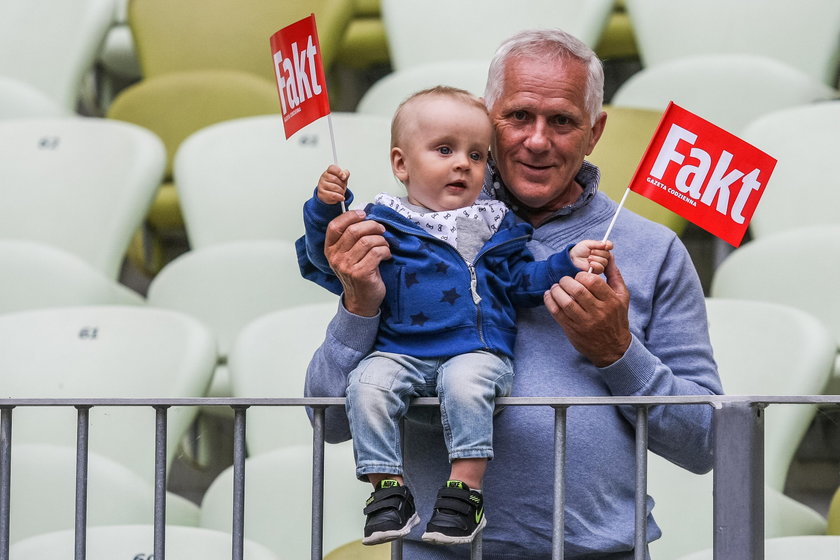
398,165
597,131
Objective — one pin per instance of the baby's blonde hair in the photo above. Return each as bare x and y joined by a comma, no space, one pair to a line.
397,123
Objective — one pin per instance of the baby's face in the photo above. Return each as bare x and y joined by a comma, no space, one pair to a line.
443,156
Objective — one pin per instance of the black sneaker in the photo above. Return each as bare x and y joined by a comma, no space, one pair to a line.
390,513
458,516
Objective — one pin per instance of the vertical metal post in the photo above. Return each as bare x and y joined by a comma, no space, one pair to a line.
558,535
160,483
640,543
475,548
82,432
238,529
739,481
317,483
397,545
5,478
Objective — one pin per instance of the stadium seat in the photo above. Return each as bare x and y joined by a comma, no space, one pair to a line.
52,44
754,85
19,100
105,352
753,272
278,498
242,180
384,96
173,106
269,359
618,40
355,550
683,510
812,547
435,30
793,355
80,184
804,189
226,286
137,542
36,276
365,43
193,35
618,153
117,63
800,34
43,493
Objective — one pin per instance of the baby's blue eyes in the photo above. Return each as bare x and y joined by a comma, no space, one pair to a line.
446,150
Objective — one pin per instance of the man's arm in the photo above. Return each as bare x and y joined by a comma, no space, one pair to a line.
354,248
673,356
349,338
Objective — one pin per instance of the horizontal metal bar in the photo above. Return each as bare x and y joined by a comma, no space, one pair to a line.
713,400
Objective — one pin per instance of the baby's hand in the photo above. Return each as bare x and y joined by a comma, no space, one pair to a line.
332,184
591,254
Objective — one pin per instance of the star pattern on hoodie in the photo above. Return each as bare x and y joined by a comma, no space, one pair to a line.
419,319
441,267
411,279
450,296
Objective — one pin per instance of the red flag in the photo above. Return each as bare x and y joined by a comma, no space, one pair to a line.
703,173
300,74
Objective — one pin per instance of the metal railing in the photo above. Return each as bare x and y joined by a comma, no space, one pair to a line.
738,464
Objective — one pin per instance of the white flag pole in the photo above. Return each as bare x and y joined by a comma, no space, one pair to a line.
615,216
334,152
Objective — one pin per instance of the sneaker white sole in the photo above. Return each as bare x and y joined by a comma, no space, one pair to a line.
380,537
440,538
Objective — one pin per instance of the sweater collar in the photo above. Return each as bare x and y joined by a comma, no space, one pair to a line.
588,176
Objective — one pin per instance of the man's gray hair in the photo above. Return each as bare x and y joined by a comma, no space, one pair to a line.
554,44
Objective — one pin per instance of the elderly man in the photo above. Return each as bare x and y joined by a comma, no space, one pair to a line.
641,331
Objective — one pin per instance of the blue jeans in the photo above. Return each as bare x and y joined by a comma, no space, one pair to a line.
381,387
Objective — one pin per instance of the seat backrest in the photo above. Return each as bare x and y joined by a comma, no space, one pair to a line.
175,105
435,30
386,94
753,272
52,44
813,547
30,271
618,153
43,492
227,286
226,34
137,542
80,184
242,180
684,506
801,34
269,359
754,85
278,498
764,348
355,550
804,189
106,352
19,99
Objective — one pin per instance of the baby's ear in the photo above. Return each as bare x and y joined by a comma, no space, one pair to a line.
398,164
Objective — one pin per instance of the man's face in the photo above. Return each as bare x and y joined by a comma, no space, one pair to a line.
542,133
